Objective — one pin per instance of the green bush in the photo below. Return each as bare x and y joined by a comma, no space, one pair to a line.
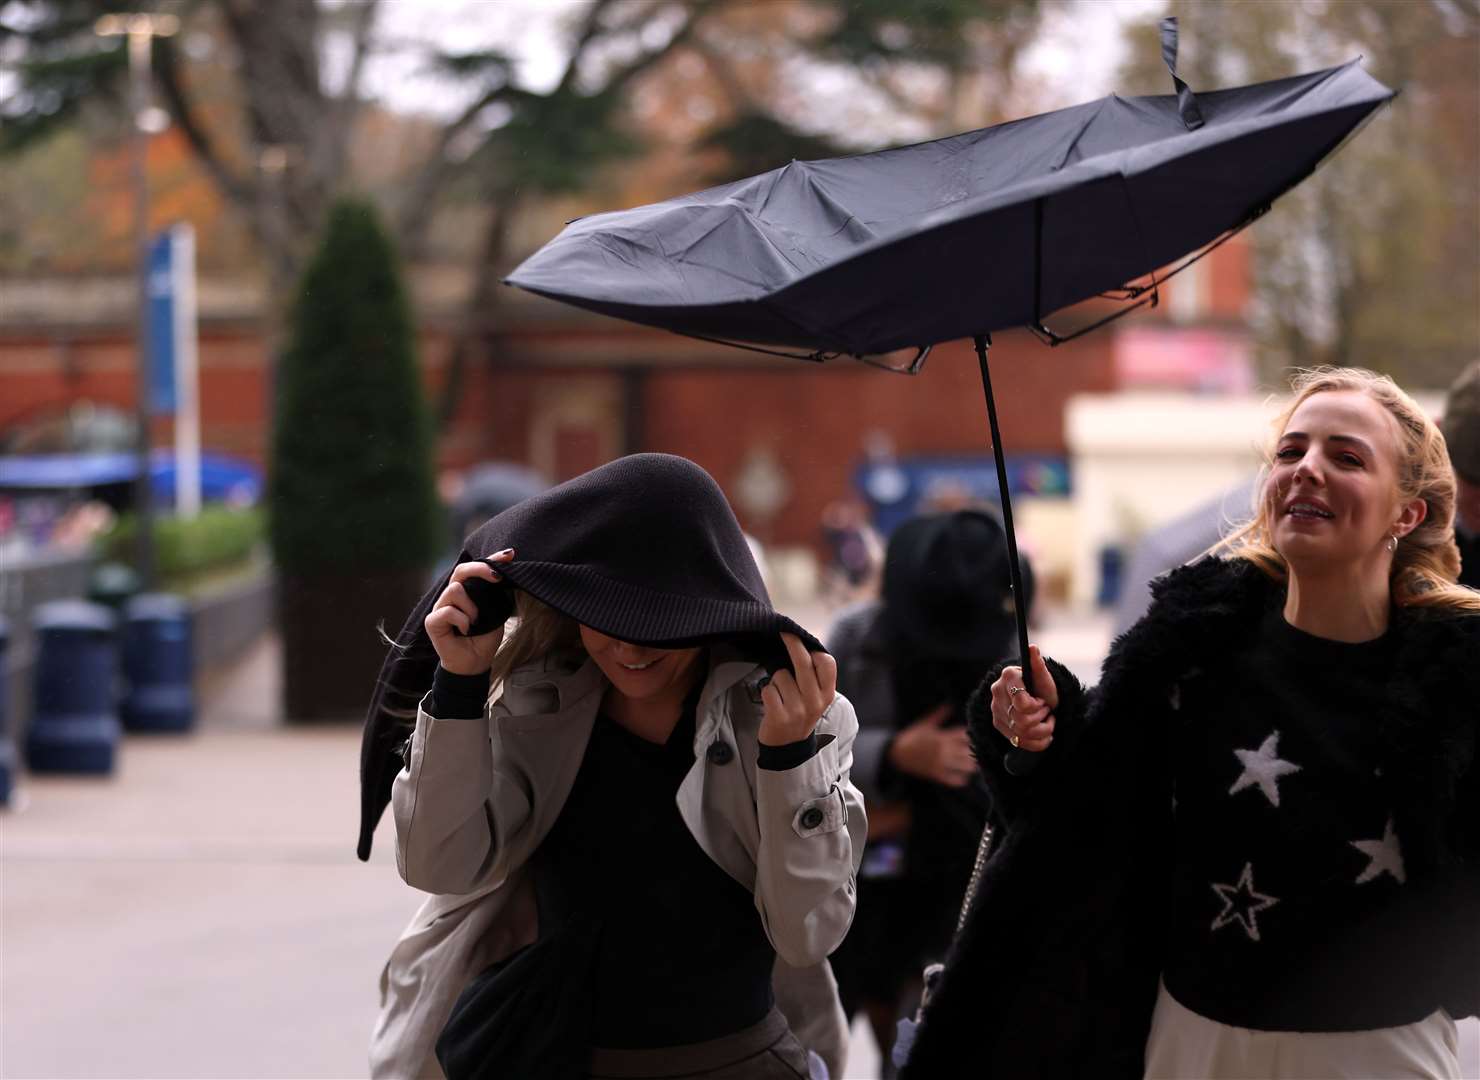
216,539
351,488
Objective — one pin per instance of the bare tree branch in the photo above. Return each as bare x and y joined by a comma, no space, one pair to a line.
348,104
697,13
416,208
238,189
478,311
365,14
590,28
420,202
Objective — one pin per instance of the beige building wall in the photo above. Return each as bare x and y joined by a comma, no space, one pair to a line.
1142,459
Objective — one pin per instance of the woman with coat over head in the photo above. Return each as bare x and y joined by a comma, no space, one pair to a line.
650,816
1254,848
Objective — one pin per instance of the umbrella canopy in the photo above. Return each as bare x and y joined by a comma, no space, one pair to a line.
960,236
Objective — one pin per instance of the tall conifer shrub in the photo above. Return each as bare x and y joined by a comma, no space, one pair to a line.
354,518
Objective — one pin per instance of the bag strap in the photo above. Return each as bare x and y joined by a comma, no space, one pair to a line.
982,847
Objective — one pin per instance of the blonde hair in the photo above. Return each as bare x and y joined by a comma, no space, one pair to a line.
1426,563
538,631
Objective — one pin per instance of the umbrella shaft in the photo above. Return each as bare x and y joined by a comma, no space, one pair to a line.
1020,607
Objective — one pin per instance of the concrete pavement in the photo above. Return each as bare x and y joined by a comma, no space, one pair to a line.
201,913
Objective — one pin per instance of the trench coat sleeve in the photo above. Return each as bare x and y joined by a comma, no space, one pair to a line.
812,829
808,998
454,821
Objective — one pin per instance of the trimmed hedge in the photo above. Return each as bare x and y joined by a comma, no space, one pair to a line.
352,489
217,538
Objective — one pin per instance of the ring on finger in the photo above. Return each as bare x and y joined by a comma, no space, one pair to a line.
1015,690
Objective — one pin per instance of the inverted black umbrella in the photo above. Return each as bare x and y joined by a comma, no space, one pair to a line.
881,256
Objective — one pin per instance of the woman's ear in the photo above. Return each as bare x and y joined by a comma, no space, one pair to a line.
1411,516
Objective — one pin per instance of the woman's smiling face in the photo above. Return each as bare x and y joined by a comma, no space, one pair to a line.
1333,487
639,672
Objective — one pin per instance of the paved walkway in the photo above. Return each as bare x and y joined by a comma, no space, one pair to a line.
202,913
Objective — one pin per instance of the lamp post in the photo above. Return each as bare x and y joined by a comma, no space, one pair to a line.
140,29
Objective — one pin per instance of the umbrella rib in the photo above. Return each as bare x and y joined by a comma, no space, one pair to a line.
1048,337
817,357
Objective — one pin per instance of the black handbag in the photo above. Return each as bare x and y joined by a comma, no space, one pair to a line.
529,1015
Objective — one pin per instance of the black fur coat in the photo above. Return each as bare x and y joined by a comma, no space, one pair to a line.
1056,972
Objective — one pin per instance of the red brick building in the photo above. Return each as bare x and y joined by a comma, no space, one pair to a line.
563,391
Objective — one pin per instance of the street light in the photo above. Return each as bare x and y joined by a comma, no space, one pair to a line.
140,28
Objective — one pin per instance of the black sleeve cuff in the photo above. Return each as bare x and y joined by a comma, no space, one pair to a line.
789,756
457,697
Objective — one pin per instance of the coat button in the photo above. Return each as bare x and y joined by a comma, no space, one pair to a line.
719,753
811,817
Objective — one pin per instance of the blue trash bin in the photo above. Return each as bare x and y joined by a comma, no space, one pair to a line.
74,719
7,746
159,694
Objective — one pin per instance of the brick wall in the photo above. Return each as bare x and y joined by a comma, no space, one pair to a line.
813,421
561,390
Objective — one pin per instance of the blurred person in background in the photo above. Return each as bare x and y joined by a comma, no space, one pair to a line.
626,840
854,552
908,661
1462,433
1254,848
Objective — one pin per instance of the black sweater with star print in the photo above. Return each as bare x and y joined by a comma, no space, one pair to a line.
1288,879
1078,915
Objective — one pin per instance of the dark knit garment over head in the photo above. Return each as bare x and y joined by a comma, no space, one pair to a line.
644,549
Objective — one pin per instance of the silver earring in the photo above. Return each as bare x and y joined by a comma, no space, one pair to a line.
1392,544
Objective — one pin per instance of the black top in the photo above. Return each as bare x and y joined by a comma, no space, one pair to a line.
682,956
644,941
1289,878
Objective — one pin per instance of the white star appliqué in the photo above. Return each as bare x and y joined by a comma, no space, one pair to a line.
1263,767
1241,904
1386,856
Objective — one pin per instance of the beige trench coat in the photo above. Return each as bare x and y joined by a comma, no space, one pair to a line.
478,796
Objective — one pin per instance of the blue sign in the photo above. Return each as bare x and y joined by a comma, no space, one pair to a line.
163,296
898,489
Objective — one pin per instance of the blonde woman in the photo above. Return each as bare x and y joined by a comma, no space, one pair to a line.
635,813
1254,849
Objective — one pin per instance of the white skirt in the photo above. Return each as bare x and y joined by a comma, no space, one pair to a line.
1184,1044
